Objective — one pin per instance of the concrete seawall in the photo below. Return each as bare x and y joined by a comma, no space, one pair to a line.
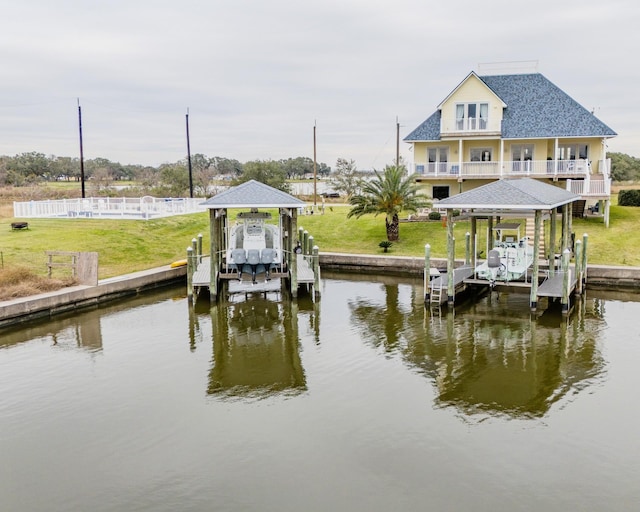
21,310
44,305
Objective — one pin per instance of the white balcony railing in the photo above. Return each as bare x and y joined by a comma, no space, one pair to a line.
534,168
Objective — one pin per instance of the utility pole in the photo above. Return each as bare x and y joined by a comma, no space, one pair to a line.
81,150
397,143
189,158
315,201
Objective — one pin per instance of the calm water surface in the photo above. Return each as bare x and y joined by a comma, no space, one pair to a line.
361,402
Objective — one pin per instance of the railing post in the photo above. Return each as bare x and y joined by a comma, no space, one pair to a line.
200,248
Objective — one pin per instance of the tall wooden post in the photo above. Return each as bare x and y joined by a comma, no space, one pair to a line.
585,239
533,298
427,273
578,267
566,255
467,249
451,254
474,238
293,266
190,271
316,271
214,228
552,242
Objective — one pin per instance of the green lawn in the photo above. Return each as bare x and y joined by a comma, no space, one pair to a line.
129,245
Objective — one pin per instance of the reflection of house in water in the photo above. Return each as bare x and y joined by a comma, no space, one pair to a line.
496,358
255,349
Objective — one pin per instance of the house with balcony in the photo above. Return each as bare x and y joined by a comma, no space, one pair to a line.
513,126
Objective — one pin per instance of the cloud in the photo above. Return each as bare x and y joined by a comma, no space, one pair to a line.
256,76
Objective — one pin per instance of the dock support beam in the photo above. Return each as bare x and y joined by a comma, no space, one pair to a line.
190,271
316,271
427,273
578,266
552,243
451,254
566,255
533,299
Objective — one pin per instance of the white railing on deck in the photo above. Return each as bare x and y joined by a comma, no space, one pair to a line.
495,169
108,207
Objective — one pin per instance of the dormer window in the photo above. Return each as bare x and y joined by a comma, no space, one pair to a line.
472,116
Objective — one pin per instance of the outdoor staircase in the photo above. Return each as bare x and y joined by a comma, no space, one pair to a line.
530,232
578,208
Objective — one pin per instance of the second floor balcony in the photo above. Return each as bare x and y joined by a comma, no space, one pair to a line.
495,170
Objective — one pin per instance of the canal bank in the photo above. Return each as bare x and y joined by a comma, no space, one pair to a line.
24,309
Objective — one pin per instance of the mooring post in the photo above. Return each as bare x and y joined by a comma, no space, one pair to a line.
427,273
306,249
566,255
194,245
316,271
200,248
585,238
578,267
300,235
190,273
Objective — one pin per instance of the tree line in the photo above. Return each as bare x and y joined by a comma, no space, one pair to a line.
168,180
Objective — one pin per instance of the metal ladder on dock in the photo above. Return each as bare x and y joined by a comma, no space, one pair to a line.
435,287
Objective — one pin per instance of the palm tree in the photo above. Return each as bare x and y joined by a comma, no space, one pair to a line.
388,193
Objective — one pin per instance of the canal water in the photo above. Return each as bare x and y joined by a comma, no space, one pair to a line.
363,401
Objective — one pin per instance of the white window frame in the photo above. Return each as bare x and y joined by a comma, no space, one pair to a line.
473,116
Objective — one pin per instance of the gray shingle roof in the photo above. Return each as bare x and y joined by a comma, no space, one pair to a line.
535,108
523,194
253,194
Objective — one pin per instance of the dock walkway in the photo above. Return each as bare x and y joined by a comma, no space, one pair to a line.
552,286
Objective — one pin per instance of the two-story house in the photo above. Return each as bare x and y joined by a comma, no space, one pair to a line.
516,125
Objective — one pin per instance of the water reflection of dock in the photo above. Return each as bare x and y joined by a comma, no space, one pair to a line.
255,349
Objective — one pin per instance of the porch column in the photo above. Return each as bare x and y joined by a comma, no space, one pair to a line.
555,156
501,157
459,158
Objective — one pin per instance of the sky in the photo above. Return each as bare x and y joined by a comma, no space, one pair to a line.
257,78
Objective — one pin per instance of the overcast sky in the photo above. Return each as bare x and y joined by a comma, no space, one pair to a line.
256,75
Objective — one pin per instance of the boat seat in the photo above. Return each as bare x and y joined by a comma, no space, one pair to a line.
239,256
253,256
267,256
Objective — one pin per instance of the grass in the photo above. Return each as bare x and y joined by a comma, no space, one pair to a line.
129,245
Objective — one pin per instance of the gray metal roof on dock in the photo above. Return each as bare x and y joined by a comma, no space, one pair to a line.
522,194
253,194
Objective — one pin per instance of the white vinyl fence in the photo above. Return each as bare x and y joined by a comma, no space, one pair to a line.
109,207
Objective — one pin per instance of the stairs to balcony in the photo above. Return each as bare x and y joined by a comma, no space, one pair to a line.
578,208
530,232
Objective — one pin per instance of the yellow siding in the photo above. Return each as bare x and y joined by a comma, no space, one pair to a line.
472,90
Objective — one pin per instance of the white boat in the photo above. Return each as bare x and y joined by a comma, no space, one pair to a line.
510,257
254,245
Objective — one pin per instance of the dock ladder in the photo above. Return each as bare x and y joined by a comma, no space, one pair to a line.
435,287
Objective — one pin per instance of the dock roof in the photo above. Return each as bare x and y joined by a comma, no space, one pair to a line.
522,195
253,194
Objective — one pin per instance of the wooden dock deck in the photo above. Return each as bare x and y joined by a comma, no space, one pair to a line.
552,286
438,285
202,278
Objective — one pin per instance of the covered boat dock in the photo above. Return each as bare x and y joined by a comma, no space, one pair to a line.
296,256
520,198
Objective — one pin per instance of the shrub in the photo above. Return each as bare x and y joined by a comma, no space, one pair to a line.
629,198
455,213
385,244
434,216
